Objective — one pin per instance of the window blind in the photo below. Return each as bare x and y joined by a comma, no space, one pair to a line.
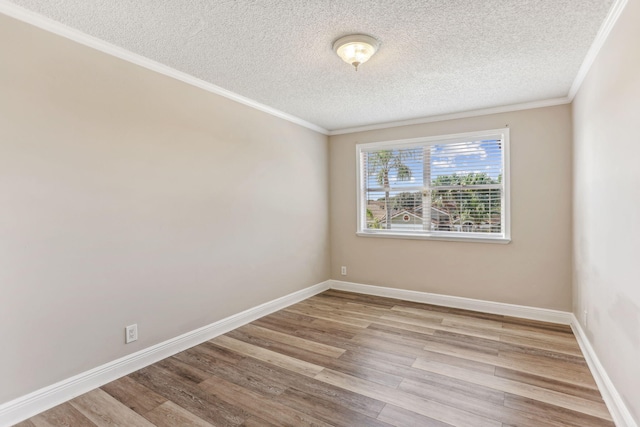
434,187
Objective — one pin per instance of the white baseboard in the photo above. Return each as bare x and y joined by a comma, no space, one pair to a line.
19,409
621,415
531,313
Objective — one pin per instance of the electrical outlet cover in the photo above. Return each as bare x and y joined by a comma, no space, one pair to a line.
131,334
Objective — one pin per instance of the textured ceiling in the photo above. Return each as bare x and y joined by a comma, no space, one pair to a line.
437,56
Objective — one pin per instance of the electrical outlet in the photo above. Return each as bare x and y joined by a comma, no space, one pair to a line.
343,270
131,334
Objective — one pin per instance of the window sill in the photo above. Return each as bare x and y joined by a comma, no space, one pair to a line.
449,238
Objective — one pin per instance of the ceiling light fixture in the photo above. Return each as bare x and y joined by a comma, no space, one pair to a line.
356,49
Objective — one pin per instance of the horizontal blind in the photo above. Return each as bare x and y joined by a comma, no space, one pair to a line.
393,188
453,187
466,186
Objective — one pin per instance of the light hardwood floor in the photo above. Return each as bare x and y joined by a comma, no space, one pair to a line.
343,359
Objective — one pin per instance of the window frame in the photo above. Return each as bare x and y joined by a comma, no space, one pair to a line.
503,237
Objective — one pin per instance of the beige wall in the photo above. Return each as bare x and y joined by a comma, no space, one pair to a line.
533,270
129,197
607,206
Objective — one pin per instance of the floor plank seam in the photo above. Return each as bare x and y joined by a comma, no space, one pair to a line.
343,359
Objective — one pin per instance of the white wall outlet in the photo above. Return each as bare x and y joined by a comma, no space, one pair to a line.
131,334
585,319
343,270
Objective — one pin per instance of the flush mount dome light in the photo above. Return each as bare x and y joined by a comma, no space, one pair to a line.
356,49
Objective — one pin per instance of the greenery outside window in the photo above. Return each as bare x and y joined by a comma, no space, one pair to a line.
451,187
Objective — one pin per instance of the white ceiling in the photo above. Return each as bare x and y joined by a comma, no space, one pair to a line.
437,56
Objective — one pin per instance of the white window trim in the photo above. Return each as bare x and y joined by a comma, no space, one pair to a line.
439,235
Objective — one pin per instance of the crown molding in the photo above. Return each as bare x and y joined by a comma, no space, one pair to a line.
77,36
60,29
461,115
603,33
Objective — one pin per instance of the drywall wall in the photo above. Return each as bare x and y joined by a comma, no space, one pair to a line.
533,270
129,197
606,206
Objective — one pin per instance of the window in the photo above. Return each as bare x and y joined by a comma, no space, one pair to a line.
452,187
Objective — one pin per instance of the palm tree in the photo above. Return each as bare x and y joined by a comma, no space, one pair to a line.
381,163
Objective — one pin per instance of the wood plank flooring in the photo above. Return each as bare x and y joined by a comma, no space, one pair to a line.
344,359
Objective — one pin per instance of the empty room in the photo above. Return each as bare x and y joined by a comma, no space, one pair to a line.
327,213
